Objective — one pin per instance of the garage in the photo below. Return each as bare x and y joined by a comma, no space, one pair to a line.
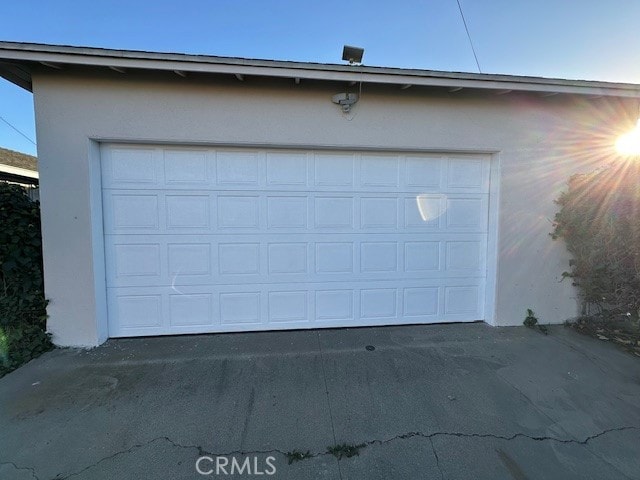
201,239
185,194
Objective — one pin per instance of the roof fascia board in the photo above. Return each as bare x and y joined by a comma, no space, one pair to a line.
22,172
307,71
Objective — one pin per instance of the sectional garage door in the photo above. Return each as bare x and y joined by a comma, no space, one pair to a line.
221,239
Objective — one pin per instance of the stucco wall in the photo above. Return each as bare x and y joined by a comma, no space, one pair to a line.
538,143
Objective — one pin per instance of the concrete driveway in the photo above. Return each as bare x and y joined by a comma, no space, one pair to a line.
432,402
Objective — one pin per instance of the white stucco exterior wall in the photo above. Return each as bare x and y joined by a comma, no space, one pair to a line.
537,143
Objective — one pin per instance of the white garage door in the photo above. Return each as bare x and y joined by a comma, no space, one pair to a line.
213,240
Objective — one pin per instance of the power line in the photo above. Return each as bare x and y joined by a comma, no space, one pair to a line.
469,36
17,130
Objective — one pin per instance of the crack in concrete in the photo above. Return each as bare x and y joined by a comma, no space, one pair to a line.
123,452
499,437
32,471
326,389
435,454
137,446
404,436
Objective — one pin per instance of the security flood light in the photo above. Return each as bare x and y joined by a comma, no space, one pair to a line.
346,100
352,54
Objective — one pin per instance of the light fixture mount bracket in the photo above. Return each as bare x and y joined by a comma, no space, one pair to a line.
345,100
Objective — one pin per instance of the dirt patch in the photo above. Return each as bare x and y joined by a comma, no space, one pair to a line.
622,331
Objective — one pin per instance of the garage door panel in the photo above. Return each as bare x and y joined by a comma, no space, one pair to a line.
190,259
151,311
379,171
220,259
136,311
333,304
286,169
287,212
288,306
238,168
240,307
187,212
462,299
334,213
334,170
201,212
466,214
288,258
424,172
379,213
137,260
188,310
203,239
186,168
131,212
469,174
131,166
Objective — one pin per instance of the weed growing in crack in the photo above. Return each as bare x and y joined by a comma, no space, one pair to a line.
531,321
297,455
345,450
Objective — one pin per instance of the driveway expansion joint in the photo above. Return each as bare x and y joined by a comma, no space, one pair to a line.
326,389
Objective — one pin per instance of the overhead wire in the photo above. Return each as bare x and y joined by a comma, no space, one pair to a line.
464,21
17,129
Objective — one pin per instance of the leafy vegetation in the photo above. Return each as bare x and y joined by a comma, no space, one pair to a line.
531,321
599,219
345,450
297,456
22,301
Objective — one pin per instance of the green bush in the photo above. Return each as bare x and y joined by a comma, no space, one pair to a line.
599,219
18,345
22,301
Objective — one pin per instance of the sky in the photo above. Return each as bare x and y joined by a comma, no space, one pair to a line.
574,39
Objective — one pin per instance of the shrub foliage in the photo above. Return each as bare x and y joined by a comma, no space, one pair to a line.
22,301
599,219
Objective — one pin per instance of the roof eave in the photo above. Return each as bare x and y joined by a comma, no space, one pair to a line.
14,56
17,171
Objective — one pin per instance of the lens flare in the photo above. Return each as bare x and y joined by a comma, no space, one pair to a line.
629,143
429,207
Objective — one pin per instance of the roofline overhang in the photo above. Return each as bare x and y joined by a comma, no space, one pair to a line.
17,60
22,172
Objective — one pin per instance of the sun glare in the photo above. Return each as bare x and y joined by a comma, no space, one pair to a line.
629,143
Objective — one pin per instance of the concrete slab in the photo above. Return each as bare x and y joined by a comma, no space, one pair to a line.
441,401
15,472
410,458
620,449
425,384
519,459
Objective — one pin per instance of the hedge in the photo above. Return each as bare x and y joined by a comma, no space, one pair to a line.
599,219
22,303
